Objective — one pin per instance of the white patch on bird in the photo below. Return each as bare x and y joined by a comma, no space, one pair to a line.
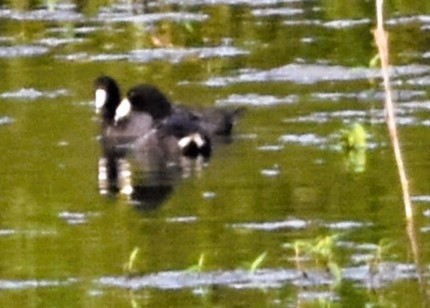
196,137
183,142
123,110
198,140
100,99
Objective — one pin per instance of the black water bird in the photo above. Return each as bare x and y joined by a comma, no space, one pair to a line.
148,99
146,110
117,132
146,121
180,135
144,99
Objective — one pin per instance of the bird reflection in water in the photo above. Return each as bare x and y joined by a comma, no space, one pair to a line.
144,186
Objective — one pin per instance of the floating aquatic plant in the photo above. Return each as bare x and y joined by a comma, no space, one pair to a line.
353,142
354,137
355,160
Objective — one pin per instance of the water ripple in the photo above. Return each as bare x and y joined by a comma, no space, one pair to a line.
150,17
346,23
376,277
229,2
368,95
402,20
62,12
173,55
6,120
74,218
30,93
303,139
257,100
313,73
346,225
54,42
376,116
273,225
176,55
276,12
421,198
22,51
31,284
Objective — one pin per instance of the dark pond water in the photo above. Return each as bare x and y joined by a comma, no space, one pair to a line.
301,68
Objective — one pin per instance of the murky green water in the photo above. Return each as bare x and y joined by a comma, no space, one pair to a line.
301,68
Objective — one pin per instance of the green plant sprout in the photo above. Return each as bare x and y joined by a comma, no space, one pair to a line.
51,4
129,266
353,142
188,26
353,137
381,250
255,265
375,62
198,267
321,250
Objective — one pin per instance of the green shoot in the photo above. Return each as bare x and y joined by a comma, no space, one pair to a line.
375,61
51,4
257,262
129,266
381,250
321,250
189,26
199,266
336,271
354,137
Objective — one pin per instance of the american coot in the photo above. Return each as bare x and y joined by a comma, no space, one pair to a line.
107,98
191,139
218,122
145,120
176,132
115,132
144,98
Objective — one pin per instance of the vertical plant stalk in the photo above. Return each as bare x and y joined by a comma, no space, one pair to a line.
382,43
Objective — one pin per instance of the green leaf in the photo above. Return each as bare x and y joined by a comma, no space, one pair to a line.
199,266
51,5
374,62
129,266
354,137
336,271
257,262
189,27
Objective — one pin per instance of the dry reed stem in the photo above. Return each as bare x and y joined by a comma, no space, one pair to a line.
381,41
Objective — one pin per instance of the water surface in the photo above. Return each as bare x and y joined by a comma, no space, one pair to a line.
301,68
